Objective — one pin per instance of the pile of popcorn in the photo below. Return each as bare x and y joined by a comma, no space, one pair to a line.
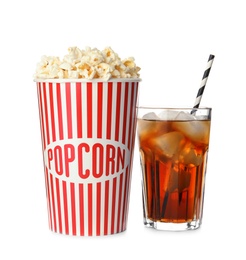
87,64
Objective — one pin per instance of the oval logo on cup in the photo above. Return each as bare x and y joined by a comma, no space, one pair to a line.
86,160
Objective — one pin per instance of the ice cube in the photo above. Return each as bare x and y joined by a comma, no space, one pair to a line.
189,156
168,144
184,116
197,131
150,116
147,127
168,114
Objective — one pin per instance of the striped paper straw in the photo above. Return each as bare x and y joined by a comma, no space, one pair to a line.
204,81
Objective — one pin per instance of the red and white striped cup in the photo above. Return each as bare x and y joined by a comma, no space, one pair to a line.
88,132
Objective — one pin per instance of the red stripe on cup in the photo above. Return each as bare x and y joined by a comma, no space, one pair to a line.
113,205
119,203
69,111
58,204
125,201
98,209
89,110
99,109
52,112
130,126
53,201
79,110
81,208
125,114
106,206
90,223
47,135
118,114
41,114
48,198
109,110
65,202
73,208
59,111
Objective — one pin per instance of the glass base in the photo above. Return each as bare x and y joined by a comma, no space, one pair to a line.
167,226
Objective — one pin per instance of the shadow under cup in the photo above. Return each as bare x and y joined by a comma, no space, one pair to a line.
173,146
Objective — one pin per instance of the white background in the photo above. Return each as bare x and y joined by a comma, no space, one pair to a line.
171,42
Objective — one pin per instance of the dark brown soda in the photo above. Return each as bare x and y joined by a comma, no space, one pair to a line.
173,184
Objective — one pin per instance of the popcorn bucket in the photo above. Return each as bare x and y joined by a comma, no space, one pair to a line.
88,132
